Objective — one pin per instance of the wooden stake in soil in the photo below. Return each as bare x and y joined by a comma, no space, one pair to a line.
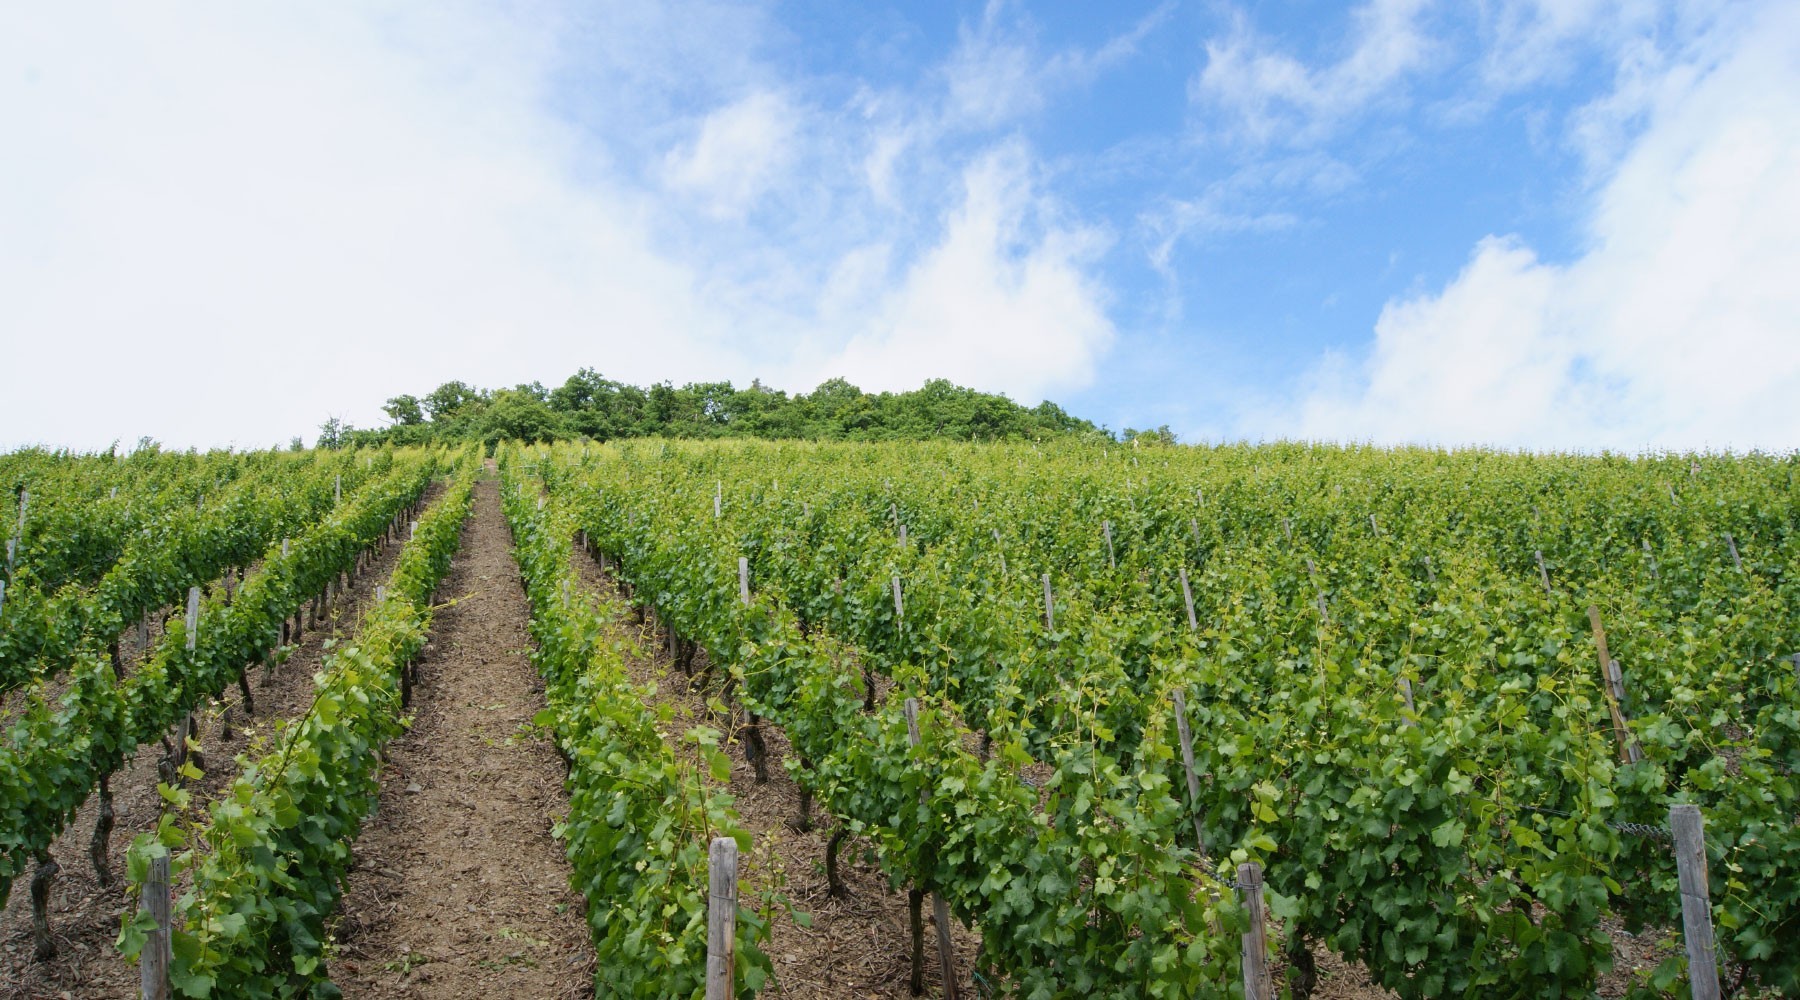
1106,529
1628,745
1544,572
1731,543
1257,984
721,919
1187,597
1650,557
1049,606
1187,762
193,617
1696,900
940,911
744,579
1406,693
158,953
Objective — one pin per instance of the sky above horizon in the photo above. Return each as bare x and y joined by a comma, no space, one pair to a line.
1550,225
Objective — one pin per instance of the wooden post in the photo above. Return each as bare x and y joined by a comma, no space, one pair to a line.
1194,526
1651,558
1406,693
2,595
1106,529
940,910
1628,746
1187,762
1002,554
899,605
744,579
1696,900
1430,574
1615,679
1187,598
1049,606
158,953
1544,571
1257,984
903,536
193,617
337,489
412,530
1731,543
1287,528
721,919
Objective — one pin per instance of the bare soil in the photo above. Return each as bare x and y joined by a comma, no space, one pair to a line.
857,947
459,889
85,916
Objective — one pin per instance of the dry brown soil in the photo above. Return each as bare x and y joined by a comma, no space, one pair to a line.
459,889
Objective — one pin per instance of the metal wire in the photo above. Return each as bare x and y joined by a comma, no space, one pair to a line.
1632,829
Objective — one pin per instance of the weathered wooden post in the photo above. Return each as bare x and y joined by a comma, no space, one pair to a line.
721,919
158,953
1696,900
1257,984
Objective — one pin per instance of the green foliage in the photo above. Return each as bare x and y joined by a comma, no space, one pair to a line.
57,752
1465,847
267,866
588,405
639,822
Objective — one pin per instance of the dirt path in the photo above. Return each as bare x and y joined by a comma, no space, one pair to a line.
84,915
859,947
459,889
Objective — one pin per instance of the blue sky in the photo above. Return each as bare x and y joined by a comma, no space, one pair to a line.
1530,224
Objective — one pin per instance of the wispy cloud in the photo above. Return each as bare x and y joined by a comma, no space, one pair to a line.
1677,328
1251,91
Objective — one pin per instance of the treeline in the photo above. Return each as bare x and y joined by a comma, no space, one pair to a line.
589,405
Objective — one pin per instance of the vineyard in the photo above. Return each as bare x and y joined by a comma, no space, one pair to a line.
1113,722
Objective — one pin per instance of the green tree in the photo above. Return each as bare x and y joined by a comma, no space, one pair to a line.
404,411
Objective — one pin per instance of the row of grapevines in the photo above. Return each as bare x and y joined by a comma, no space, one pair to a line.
56,753
72,517
639,822
1390,613
1068,900
41,633
268,865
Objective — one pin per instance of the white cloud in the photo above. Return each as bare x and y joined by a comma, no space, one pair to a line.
993,303
740,151
235,221
996,74
1268,95
1678,327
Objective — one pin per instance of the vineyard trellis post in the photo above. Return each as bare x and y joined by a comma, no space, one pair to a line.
1628,744
1187,762
721,918
1689,828
158,952
1257,983
1187,598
